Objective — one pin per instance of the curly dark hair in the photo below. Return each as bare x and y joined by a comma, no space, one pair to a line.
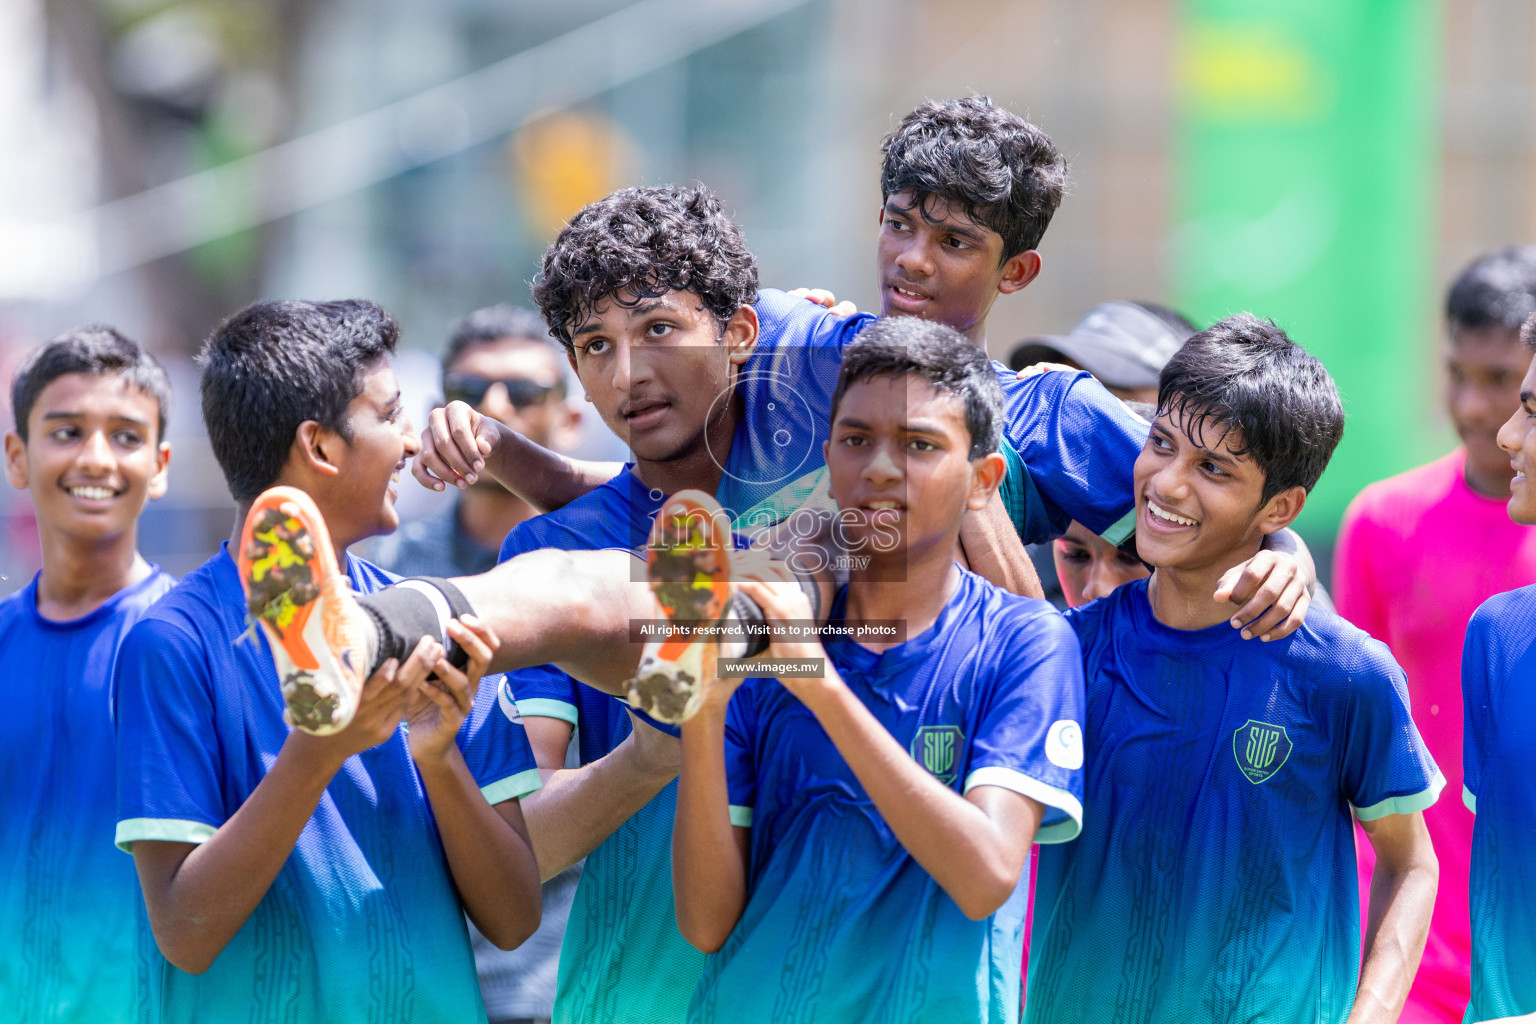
1003,171
645,241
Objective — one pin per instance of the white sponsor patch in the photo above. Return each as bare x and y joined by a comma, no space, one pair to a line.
508,703
1064,745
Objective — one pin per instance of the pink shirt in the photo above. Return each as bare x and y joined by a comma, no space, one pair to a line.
1417,553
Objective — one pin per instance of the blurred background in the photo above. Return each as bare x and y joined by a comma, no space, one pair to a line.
1327,163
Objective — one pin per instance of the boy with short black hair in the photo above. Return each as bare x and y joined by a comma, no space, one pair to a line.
320,872
849,842
89,446
1215,875
1496,678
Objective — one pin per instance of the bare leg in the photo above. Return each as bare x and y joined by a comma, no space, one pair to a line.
571,609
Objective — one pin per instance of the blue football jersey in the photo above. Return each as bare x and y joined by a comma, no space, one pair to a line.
68,920
363,923
841,923
1498,681
622,958
785,389
1215,876
1071,447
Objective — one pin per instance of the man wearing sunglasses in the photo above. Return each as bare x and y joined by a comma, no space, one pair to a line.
502,361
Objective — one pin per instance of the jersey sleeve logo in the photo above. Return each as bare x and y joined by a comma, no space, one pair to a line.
507,702
1261,749
936,748
1064,745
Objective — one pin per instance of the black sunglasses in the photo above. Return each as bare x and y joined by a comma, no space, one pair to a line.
522,393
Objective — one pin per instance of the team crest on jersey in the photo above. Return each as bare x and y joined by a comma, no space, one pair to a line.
937,748
1261,749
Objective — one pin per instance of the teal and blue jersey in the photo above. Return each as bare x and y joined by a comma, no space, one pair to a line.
1215,877
69,917
841,923
363,923
622,958
1498,682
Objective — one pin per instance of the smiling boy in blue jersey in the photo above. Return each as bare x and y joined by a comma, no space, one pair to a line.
88,446
849,844
1496,672
297,876
1215,875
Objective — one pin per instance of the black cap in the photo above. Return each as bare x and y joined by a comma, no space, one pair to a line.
1120,343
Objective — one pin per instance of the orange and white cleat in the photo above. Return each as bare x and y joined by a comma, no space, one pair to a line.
688,563
296,590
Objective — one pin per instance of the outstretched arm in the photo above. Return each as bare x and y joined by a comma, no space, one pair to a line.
458,444
1402,897
199,895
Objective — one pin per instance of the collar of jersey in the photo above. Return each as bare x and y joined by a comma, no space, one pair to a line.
1139,601
861,659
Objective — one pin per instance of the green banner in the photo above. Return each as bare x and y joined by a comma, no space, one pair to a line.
1305,171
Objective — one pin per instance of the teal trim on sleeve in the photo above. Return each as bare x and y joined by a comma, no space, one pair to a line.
1403,804
513,787
1017,782
1122,530
741,816
1013,489
1469,798
548,707
164,830
1063,831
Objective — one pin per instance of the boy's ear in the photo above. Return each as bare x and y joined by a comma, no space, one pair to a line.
1282,509
315,448
15,460
161,480
1019,271
741,334
986,477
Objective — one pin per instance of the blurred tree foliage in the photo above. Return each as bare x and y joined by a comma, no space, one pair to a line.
181,85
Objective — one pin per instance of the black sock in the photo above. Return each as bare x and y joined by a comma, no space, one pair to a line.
754,622
407,611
